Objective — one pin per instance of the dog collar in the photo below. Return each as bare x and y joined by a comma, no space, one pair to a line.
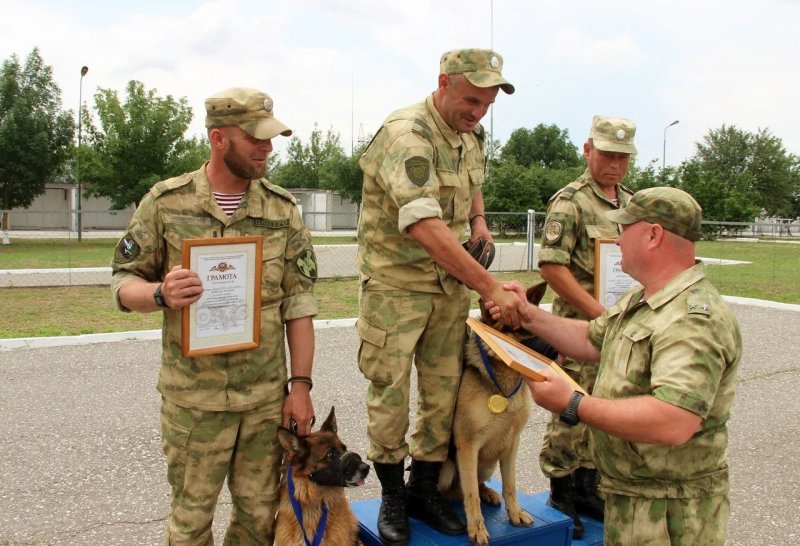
298,513
488,366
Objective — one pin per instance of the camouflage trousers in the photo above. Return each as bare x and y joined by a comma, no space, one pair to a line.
636,521
205,447
566,448
398,328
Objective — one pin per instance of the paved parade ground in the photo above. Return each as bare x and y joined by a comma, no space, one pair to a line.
82,464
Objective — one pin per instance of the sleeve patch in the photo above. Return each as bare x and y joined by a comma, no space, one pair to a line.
127,249
418,169
553,231
307,264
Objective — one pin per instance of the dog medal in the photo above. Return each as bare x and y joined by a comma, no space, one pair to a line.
498,403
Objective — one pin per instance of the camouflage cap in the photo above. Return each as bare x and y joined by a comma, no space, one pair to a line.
671,208
482,67
249,109
613,134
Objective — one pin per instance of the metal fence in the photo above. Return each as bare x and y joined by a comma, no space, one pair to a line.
515,234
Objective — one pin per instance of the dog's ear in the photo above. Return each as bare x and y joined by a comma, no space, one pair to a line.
330,422
292,444
536,292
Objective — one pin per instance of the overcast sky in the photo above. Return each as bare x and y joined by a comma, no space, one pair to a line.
345,64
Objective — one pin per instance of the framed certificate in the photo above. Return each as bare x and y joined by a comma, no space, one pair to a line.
516,355
227,317
610,282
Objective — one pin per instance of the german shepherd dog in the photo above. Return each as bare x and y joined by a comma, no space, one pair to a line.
313,508
492,408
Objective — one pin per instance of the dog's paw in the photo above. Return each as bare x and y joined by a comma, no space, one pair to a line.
478,534
520,518
488,495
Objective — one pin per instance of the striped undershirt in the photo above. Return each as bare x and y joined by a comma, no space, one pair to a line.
228,202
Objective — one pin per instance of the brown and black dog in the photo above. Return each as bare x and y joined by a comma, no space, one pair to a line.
483,436
313,508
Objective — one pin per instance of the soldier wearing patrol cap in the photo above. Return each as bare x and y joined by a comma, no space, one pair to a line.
668,353
575,219
423,173
220,412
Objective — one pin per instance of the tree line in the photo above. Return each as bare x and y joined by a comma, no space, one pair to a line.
132,142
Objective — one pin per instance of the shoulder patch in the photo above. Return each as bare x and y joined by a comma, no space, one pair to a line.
127,249
553,231
418,169
307,264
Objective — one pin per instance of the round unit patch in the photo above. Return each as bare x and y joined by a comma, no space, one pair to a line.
553,231
418,169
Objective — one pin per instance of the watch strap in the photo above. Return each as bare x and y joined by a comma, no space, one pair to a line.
570,415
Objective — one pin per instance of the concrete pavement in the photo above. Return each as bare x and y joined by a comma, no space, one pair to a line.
82,464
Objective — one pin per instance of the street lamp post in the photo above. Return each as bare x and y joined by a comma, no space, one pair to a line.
664,153
84,70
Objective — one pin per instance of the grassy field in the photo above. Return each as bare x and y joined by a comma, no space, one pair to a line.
773,274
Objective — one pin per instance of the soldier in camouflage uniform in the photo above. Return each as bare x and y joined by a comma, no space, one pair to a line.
575,220
220,412
423,173
669,351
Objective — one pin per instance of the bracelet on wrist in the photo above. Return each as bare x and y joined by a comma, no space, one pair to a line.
299,379
476,216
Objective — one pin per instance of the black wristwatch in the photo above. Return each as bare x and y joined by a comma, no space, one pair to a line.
159,298
570,415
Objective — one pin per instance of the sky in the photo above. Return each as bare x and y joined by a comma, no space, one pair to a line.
346,64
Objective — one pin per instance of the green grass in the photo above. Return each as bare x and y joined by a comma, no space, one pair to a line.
774,274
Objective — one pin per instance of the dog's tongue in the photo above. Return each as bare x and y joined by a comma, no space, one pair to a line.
360,482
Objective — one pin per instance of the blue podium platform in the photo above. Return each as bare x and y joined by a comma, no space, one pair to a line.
550,527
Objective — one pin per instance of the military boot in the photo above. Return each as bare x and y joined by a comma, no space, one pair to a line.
562,498
425,503
392,516
587,502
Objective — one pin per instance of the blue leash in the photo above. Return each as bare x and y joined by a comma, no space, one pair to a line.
488,367
298,513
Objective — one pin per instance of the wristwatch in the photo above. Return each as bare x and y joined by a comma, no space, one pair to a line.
570,415
159,298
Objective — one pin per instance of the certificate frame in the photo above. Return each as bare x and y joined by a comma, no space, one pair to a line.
227,317
610,282
516,355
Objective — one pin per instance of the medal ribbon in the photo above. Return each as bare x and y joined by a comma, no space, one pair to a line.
488,367
298,513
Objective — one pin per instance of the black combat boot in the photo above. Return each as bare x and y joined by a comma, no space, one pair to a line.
562,498
587,502
392,516
426,504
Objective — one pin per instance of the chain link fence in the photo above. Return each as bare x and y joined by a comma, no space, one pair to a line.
64,260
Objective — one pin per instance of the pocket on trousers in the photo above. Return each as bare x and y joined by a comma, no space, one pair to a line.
373,341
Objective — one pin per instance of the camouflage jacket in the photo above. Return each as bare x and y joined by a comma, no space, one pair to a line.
416,167
575,219
184,208
682,346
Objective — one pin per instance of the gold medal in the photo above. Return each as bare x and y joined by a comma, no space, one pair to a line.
497,403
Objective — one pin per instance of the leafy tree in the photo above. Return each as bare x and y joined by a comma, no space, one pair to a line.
544,145
345,176
639,178
753,169
35,134
137,143
305,164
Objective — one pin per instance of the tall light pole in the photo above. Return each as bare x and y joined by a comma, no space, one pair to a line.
664,152
84,70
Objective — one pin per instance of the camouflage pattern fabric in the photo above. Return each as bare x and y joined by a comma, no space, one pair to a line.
201,448
575,219
184,208
635,521
415,167
683,346
398,327
220,411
